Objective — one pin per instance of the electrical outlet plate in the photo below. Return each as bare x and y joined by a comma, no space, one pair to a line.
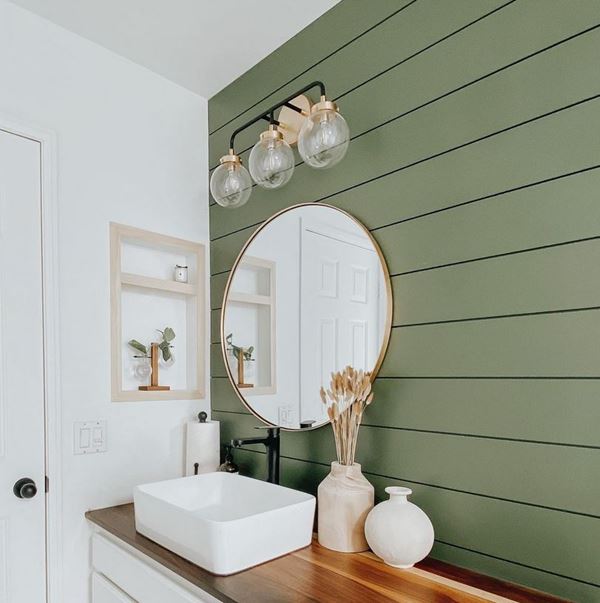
287,416
89,437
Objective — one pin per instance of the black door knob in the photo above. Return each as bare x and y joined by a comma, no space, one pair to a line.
25,488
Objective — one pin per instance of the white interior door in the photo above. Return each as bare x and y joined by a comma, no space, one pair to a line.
340,310
22,519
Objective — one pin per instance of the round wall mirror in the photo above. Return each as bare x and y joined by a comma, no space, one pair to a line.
308,295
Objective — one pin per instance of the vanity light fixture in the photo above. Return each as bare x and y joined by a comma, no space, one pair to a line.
322,135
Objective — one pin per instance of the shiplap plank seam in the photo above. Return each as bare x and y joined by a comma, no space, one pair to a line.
231,412
461,435
291,441
488,197
456,206
448,543
470,493
496,255
440,210
515,377
437,486
405,60
345,45
425,49
479,437
436,155
453,90
467,377
531,567
475,81
455,434
480,258
425,406
452,433
482,318
497,317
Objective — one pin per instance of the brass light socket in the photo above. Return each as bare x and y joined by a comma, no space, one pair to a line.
271,134
324,105
231,157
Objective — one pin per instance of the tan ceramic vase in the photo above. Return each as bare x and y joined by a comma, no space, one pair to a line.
344,498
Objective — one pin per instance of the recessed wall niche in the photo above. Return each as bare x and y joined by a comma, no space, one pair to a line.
251,321
146,297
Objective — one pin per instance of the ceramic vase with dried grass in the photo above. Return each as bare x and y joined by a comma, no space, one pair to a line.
345,497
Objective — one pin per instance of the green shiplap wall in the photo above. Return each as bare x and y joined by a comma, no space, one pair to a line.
475,162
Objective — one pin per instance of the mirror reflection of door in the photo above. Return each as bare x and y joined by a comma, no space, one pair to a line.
339,306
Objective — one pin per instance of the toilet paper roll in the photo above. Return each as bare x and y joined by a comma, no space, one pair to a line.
202,447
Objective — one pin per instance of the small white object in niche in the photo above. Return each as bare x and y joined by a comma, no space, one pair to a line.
180,274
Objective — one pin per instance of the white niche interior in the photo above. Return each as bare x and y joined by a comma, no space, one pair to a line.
145,297
250,318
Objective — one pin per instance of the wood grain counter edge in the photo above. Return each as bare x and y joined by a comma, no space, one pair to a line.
318,574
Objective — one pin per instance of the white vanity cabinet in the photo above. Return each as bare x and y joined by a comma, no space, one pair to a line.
121,574
104,591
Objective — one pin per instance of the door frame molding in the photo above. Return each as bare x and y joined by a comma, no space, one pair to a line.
47,140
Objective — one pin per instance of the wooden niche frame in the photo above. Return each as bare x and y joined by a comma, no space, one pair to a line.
258,301
120,234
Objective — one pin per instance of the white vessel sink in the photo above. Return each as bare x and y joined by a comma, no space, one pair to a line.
224,522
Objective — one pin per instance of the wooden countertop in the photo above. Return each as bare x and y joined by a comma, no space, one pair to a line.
318,574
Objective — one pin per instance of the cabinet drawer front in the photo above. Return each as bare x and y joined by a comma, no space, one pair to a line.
104,591
140,581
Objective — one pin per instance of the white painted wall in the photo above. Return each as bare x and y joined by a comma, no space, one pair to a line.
132,148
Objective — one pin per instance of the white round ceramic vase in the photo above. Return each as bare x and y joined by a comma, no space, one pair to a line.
398,531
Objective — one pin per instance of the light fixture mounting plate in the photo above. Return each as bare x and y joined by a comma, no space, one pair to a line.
291,121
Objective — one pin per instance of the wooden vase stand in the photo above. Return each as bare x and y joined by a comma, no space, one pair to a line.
154,386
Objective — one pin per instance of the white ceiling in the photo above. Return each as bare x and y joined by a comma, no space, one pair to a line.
202,45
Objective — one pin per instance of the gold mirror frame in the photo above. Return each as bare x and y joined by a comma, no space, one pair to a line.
389,309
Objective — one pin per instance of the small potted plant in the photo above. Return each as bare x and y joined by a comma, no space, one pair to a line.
145,368
243,357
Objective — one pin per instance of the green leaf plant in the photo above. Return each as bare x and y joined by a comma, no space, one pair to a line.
164,345
236,350
140,347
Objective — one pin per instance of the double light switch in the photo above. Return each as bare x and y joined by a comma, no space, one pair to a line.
89,437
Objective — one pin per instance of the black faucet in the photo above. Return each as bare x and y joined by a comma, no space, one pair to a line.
271,443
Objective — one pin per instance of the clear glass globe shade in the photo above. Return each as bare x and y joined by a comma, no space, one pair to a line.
231,185
323,139
271,163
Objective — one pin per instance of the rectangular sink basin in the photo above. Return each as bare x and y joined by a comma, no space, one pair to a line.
224,522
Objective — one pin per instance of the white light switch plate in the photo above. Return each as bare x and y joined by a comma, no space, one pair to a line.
89,437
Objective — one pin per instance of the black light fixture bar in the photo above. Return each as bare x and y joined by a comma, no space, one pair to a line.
269,114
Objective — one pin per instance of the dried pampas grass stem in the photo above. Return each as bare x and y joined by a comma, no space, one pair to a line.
348,395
